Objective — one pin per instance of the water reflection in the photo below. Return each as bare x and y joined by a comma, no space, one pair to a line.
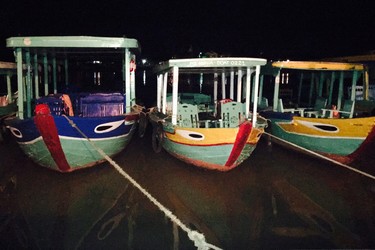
276,199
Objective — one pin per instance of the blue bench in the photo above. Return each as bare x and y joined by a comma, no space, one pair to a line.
101,104
86,104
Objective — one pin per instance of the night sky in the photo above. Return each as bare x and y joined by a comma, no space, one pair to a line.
300,29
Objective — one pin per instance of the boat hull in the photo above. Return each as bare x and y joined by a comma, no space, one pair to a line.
108,134
212,148
335,138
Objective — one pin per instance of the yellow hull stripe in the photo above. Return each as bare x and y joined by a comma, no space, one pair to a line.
305,65
356,127
211,136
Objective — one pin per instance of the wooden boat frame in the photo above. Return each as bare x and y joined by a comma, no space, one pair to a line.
211,136
57,146
342,139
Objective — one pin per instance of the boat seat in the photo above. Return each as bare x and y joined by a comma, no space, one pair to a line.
263,103
187,115
232,114
59,104
102,104
280,108
320,104
347,110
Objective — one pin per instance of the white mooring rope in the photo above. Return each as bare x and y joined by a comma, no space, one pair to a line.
323,157
198,238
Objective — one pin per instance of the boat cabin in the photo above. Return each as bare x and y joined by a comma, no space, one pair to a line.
310,88
208,92
75,75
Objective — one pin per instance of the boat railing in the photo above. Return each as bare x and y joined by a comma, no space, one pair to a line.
187,115
229,115
347,111
320,103
232,113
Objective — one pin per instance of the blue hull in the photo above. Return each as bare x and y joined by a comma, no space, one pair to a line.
109,134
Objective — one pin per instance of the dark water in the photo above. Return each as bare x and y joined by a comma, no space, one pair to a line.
277,199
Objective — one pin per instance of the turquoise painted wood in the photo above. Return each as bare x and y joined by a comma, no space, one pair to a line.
329,145
78,153
215,155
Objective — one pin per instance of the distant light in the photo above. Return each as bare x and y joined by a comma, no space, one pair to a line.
97,62
144,61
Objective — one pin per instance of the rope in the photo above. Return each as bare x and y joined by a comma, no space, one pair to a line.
198,238
324,157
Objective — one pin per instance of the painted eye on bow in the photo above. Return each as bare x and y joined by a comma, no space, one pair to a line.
107,127
190,135
16,132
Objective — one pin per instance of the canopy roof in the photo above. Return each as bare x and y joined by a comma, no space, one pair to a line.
7,67
74,46
210,65
72,42
322,66
79,51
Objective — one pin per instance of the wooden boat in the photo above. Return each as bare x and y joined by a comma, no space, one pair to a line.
335,127
65,131
199,128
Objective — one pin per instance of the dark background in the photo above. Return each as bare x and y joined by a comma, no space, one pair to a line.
271,29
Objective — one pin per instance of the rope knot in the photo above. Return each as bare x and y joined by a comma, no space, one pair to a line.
199,240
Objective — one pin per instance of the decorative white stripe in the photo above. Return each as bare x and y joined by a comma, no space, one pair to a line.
313,125
76,139
16,132
108,127
79,139
190,135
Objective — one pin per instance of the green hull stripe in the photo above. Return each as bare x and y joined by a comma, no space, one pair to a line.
210,154
329,145
79,153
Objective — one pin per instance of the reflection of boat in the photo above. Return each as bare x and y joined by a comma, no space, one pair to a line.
334,127
218,135
72,131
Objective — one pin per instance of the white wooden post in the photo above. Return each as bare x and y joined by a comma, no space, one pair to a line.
239,85
256,89
247,97
159,91
36,76
164,99
276,92
223,94
174,95
231,91
21,108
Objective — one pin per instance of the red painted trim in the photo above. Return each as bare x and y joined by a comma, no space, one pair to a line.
241,138
132,117
367,144
47,128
